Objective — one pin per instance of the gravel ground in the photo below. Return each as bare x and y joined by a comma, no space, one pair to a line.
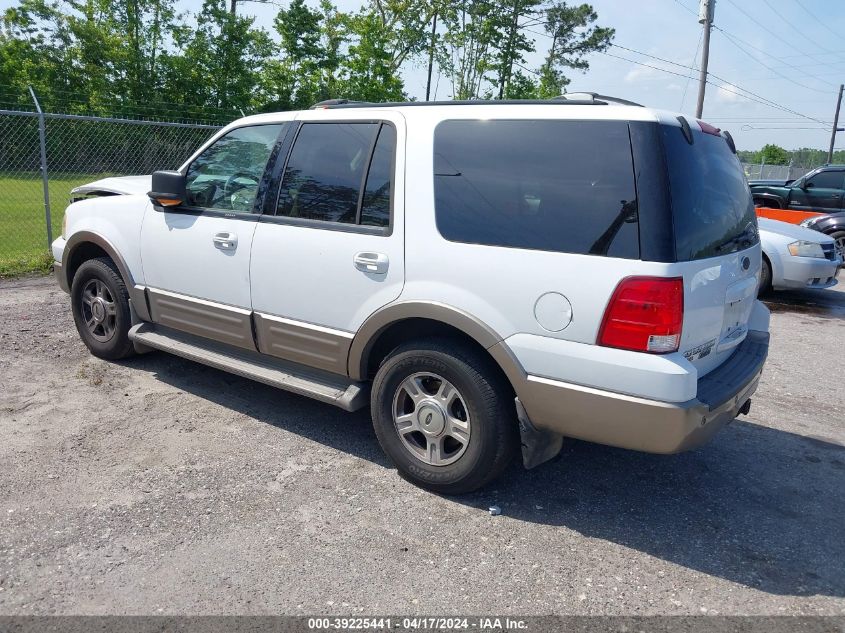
161,486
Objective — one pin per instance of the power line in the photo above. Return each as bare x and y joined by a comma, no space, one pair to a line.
681,4
766,53
780,39
764,65
724,86
762,26
795,28
821,22
695,56
671,72
717,77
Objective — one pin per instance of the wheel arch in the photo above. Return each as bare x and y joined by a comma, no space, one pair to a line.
398,323
85,245
770,197
839,227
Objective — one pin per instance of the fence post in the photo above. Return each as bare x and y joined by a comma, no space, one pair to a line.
42,139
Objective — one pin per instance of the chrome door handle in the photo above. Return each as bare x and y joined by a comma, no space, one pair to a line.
376,263
225,241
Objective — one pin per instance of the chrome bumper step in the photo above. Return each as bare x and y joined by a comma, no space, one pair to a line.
314,383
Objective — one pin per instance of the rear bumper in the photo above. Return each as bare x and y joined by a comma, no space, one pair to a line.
648,425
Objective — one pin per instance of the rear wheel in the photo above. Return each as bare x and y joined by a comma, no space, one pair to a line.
100,305
444,416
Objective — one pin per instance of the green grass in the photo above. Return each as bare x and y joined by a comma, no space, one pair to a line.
25,264
23,234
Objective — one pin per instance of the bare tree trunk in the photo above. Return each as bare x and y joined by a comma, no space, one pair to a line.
431,55
504,77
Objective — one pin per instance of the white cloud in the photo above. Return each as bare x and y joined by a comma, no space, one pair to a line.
728,93
638,73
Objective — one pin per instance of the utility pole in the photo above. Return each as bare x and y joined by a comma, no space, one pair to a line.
835,124
706,8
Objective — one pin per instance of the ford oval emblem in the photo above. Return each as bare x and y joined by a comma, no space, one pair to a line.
746,263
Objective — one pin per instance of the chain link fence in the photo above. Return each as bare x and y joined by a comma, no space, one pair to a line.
774,172
40,167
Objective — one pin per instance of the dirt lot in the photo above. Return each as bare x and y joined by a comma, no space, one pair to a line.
157,485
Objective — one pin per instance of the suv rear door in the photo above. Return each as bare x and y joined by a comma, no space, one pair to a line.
717,245
330,250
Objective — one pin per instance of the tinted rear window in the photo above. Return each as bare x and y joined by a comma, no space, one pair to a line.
564,186
711,202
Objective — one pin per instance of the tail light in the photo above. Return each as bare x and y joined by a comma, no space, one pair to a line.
645,314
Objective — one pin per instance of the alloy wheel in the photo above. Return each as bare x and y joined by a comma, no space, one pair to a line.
431,418
99,310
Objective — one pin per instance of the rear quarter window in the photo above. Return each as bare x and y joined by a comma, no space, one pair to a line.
565,186
711,203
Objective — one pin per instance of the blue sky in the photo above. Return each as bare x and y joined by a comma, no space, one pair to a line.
785,52
787,43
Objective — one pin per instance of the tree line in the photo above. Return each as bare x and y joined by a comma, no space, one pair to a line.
146,58
771,154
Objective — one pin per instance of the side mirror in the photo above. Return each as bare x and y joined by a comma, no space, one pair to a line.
806,185
168,188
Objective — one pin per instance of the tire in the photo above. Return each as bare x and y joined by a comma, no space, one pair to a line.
839,237
765,286
474,428
100,306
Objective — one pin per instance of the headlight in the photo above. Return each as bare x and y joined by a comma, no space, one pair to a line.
802,248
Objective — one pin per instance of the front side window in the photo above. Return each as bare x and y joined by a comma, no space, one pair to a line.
226,176
340,173
565,186
826,180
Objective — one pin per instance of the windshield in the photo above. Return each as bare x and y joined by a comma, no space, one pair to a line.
711,202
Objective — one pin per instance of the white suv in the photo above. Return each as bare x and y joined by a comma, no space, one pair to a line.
489,276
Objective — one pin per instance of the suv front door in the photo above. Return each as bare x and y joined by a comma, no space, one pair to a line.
333,251
196,256
820,192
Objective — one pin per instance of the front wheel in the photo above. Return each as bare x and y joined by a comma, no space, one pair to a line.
100,305
765,278
839,240
444,416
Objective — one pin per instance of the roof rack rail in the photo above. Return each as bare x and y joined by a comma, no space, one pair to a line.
336,102
595,98
345,103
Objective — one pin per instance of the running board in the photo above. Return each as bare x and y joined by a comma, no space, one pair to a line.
314,383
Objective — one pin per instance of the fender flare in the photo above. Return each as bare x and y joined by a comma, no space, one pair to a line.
380,320
136,292
770,196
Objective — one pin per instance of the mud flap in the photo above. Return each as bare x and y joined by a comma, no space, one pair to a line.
538,445
134,320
